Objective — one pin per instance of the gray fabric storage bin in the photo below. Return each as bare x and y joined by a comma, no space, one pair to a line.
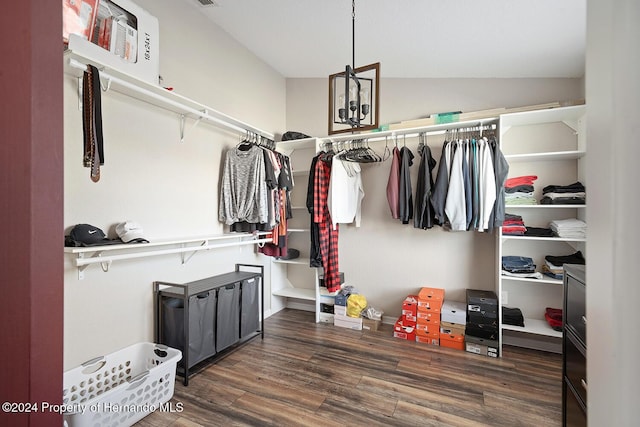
173,323
249,310
228,318
202,321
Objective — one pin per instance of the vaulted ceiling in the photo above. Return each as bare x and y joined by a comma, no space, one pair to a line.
410,38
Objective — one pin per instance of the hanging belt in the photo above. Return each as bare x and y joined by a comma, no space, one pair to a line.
92,122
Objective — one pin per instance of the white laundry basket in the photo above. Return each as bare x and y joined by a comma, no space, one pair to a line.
120,388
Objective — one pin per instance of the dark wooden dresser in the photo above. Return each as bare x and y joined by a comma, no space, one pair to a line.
574,347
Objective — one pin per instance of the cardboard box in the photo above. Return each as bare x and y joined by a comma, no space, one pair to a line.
428,317
354,323
370,325
409,320
428,296
483,318
146,64
434,333
78,17
453,312
400,330
452,328
480,300
482,331
341,299
481,346
326,318
457,344
428,327
340,309
427,340
410,305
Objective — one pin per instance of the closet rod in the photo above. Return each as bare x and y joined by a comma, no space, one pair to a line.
222,119
412,132
100,259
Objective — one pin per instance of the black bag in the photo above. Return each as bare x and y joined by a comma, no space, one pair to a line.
288,136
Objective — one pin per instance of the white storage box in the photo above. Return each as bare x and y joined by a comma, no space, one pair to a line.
121,388
454,312
142,60
354,323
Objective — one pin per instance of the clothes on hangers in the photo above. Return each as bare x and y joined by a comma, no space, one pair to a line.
255,192
328,235
468,193
244,189
393,184
315,259
406,197
344,199
425,215
441,188
501,171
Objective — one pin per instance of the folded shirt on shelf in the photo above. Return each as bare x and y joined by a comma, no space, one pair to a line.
512,316
569,228
514,230
520,180
563,201
553,273
519,189
539,232
572,194
559,261
571,188
528,200
532,275
515,262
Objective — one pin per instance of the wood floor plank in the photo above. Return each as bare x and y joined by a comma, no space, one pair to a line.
417,415
308,374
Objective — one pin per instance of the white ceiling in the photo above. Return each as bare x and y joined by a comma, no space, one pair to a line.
411,38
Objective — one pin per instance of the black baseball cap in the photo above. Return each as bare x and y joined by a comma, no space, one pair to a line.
88,235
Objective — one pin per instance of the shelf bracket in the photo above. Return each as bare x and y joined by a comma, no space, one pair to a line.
186,260
183,119
81,268
79,93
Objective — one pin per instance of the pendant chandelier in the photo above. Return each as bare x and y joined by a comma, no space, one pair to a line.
354,93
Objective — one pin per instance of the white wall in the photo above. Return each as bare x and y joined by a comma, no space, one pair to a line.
613,89
384,259
149,176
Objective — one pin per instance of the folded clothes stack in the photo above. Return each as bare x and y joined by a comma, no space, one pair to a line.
519,266
539,232
572,228
572,194
553,264
512,316
519,190
513,225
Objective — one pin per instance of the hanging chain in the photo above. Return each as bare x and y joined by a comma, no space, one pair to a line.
353,34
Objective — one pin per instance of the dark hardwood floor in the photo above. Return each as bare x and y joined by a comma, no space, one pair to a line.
308,374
